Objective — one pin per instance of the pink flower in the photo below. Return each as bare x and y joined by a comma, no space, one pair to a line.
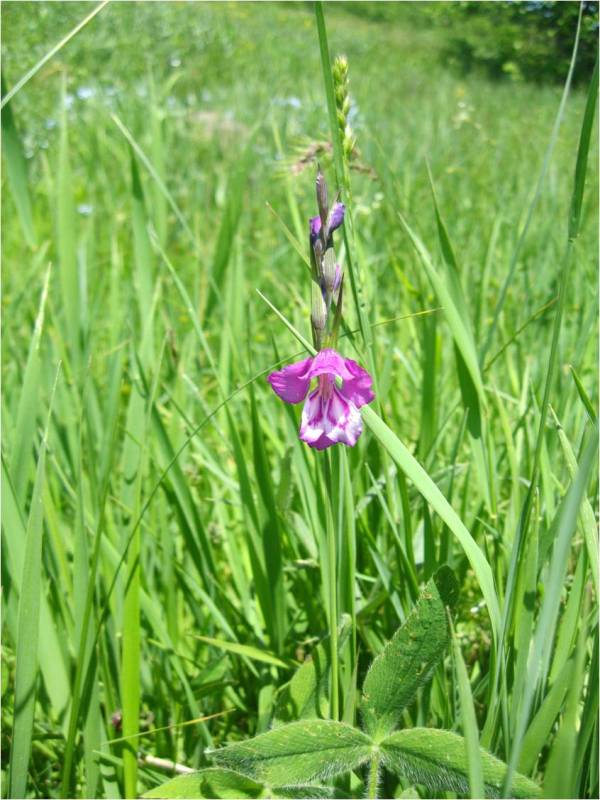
330,413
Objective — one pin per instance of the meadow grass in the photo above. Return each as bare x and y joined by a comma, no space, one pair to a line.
171,551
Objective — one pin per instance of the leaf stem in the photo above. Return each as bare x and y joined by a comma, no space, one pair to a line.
373,775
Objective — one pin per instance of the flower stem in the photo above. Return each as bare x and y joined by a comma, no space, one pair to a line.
332,580
373,775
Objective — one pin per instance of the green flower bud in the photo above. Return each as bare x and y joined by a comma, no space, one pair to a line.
318,315
322,201
329,270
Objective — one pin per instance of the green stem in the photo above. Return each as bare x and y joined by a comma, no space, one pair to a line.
332,579
373,775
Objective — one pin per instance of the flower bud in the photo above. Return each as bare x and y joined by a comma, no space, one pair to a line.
318,254
318,314
322,201
331,271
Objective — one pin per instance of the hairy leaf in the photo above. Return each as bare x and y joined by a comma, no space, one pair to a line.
212,782
409,657
297,792
297,753
438,760
217,783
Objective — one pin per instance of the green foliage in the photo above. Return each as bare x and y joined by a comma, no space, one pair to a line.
524,41
147,148
300,752
409,657
212,782
307,695
438,760
26,681
17,170
216,783
530,40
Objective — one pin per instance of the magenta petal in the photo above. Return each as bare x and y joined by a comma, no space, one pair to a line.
357,389
321,444
337,216
292,382
315,227
331,363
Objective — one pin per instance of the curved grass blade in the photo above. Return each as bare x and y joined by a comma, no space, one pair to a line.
450,297
431,492
253,653
28,401
583,396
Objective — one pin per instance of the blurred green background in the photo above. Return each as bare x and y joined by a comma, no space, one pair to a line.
226,102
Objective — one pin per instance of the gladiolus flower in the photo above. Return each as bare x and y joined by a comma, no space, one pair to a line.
330,415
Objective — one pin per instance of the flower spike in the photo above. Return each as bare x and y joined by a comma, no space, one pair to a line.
341,386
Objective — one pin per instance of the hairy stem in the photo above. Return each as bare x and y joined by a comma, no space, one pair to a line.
373,775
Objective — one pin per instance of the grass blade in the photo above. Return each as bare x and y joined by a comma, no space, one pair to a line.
50,54
426,487
28,403
28,629
469,721
544,633
16,169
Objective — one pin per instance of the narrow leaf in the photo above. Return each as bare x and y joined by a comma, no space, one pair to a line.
450,299
16,170
253,653
28,631
584,397
469,722
582,155
424,484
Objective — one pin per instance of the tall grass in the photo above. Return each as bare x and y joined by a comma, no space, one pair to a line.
171,551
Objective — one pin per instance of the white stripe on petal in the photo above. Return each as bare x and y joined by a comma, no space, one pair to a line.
313,415
348,428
